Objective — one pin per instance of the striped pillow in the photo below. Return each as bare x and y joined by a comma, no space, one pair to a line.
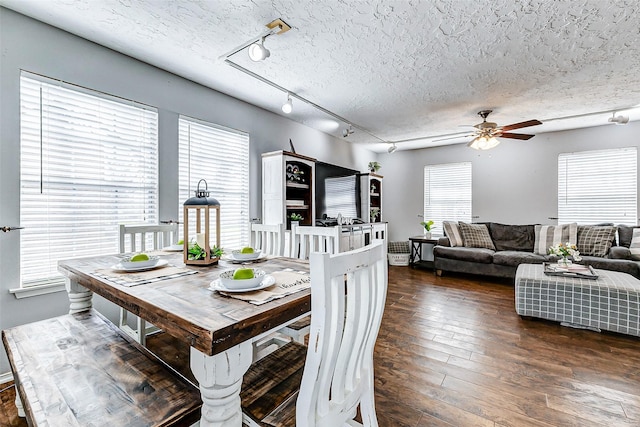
551,235
634,248
453,233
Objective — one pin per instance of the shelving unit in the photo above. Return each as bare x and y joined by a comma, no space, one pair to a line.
370,195
288,188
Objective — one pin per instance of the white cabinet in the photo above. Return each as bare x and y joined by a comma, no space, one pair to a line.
371,196
288,188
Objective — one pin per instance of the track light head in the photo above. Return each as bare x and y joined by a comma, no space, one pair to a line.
392,148
619,120
257,51
347,131
287,107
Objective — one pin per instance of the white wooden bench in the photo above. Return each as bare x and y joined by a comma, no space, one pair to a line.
80,370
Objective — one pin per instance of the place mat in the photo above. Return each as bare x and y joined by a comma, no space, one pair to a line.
143,277
287,283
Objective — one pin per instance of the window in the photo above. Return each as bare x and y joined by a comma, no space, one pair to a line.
598,186
447,193
341,196
221,157
88,162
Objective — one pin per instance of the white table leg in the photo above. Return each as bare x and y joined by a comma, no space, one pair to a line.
220,379
79,297
18,403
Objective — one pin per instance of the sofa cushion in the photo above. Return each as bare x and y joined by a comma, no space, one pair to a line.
595,240
480,255
623,265
619,252
625,234
512,237
453,233
515,258
475,236
551,235
634,247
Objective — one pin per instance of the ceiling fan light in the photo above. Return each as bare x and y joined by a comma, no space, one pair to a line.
257,51
287,107
483,143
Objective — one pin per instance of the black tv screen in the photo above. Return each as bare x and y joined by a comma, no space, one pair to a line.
337,191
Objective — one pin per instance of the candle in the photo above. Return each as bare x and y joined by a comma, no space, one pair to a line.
200,240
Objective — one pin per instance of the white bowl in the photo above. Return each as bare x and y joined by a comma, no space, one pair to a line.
227,280
127,263
241,257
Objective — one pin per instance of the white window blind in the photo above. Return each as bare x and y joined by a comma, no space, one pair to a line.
340,193
598,186
447,193
88,162
221,157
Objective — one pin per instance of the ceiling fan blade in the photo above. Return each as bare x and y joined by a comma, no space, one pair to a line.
522,136
453,137
522,125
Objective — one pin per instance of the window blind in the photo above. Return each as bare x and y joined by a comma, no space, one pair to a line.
88,162
447,193
598,186
221,157
340,193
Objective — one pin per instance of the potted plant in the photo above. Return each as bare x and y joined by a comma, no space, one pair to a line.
428,225
374,166
374,213
295,217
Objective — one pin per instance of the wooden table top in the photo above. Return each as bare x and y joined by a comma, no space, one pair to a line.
184,306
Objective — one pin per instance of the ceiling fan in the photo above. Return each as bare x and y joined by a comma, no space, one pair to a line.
487,132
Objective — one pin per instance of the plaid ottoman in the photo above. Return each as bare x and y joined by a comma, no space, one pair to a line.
611,302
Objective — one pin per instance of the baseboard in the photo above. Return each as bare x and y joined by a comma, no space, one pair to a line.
6,377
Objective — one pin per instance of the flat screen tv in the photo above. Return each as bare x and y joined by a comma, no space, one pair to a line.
337,191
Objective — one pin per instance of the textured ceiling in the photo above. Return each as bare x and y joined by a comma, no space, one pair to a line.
402,70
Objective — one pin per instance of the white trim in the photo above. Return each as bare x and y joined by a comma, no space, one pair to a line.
6,377
36,290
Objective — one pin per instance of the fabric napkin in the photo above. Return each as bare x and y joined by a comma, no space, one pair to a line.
287,283
143,277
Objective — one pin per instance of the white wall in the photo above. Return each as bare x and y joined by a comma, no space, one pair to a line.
515,183
33,46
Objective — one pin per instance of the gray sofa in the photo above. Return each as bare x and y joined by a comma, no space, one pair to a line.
514,245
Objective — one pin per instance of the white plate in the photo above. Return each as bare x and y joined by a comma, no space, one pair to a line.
120,267
267,280
237,261
238,256
151,262
173,248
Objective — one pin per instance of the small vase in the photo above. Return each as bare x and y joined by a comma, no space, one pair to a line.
564,262
427,234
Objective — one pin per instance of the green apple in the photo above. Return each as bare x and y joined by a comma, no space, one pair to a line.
139,257
243,274
247,250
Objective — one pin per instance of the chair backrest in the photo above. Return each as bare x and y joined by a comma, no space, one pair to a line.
147,237
348,293
307,239
269,238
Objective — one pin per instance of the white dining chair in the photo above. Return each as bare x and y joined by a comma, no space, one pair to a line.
269,238
140,238
348,293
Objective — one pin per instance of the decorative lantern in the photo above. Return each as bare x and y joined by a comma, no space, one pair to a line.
201,205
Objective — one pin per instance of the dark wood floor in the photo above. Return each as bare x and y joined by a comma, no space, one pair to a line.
453,352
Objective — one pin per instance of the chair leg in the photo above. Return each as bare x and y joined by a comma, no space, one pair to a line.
367,404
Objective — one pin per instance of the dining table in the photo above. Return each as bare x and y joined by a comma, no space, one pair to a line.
219,328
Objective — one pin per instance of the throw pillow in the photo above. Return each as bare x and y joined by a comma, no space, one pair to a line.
625,234
476,236
595,240
634,248
453,233
551,235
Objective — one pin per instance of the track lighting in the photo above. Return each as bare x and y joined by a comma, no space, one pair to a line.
347,131
257,51
393,148
287,107
619,120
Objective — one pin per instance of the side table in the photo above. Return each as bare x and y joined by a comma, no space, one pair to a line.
415,258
